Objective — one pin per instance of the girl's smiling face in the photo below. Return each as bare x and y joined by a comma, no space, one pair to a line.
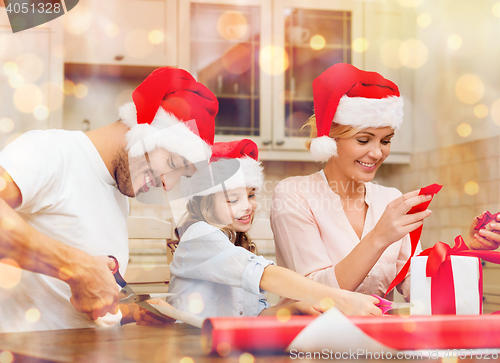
236,208
360,156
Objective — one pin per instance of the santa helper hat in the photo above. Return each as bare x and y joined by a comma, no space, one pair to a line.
233,165
346,95
172,111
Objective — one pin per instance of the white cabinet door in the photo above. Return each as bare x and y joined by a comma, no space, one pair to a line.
31,80
122,32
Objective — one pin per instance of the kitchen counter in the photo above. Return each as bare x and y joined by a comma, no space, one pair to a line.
129,343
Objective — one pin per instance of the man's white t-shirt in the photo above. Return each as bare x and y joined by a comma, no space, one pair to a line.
69,195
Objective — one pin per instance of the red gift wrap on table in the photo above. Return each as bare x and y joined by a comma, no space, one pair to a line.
449,280
226,335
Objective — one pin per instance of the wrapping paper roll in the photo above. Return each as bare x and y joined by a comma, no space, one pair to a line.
267,334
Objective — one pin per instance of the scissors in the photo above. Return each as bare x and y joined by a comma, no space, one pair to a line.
132,297
386,305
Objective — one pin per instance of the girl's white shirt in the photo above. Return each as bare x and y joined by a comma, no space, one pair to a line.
212,277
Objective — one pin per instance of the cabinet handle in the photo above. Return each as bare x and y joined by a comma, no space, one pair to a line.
267,142
119,57
279,143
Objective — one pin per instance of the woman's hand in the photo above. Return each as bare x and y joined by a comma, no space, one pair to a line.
354,303
145,317
395,223
487,238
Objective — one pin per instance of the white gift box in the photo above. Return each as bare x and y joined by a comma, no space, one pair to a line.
466,281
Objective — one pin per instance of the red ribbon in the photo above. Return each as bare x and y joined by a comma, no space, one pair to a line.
486,218
414,235
439,269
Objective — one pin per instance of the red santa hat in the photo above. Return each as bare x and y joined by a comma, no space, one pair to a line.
170,110
346,95
233,165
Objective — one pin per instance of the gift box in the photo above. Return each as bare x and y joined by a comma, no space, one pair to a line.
455,289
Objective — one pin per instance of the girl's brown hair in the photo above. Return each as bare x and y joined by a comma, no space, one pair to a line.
201,208
336,130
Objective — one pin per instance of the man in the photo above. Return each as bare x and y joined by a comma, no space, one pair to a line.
63,205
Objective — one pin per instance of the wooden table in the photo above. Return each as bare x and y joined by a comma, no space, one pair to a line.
129,343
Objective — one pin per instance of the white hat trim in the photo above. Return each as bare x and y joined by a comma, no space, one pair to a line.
323,148
249,175
165,131
361,112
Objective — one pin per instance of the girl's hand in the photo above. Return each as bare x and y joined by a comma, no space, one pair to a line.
487,238
145,317
303,308
354,303
395,223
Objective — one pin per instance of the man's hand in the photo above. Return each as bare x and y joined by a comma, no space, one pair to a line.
93,287
145,317
487,238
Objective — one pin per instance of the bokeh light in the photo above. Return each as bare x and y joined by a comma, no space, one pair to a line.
156,36
317,42
78,20
33,315
360,45
409,326
273,60
495,10
246,358
223,349
68,87
424,20
16,81
471,188
389,54
27,97
326,303
137,44
495,112
148,263
450,359
455,41
413,53
10,273
464,129
6,125
10,68
30,67
41,112
112,30
195,303
3,183
469,89
6,357
7,223
410,3
237,59
232,25
186,360
481,111
283,315
80,90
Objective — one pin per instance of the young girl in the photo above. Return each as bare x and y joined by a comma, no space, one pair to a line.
214,271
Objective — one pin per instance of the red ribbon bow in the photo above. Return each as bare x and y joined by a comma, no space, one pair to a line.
414,235
439,269
486,218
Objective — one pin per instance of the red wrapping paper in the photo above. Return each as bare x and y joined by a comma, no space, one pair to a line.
265,334
414,235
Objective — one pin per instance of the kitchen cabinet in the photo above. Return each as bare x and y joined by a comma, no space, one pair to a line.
260,58
31,80
122,32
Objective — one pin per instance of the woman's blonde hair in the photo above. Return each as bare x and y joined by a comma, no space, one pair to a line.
201,208
336,130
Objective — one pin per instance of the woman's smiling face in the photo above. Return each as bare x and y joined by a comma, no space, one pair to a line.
360,156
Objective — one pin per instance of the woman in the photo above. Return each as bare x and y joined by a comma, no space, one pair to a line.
336,226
